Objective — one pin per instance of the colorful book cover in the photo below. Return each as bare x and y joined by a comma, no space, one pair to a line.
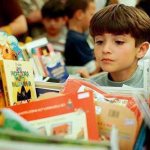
61,105
50,62
18,81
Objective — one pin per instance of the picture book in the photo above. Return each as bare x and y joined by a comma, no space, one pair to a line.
18,81
71,125
54,65
63,108
36,43
48,62
123,118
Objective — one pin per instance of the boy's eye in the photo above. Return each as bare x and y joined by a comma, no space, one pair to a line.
98,42
119,42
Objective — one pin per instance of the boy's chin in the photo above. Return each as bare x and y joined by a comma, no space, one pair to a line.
52,34
108,69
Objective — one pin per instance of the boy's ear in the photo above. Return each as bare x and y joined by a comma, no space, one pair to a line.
79,14
142,49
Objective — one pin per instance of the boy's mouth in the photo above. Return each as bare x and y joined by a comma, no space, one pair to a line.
106,60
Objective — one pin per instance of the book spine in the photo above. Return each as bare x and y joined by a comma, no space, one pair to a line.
4,81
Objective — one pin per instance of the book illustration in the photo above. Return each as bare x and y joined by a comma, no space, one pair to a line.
44,50
57,71
9,47
18,81
23,95
71,125
61,129
22,84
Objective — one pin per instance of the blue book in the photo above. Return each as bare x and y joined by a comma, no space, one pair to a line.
141,138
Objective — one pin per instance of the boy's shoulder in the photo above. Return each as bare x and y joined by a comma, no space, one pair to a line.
100,78
75,35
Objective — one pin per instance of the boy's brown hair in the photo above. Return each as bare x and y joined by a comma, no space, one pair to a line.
73,5
53,9
120,19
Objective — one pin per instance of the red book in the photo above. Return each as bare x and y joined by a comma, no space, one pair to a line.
79,85
59,107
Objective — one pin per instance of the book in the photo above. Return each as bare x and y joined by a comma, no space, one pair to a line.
122,118
139,144
18,81
11,121
36,43
13,139
81,85
66,105
2,100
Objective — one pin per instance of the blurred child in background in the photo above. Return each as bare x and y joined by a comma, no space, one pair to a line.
54,21
12,19
77,50
32,12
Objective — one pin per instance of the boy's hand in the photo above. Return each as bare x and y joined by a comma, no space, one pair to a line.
83,73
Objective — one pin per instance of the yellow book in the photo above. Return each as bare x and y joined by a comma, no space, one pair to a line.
18,81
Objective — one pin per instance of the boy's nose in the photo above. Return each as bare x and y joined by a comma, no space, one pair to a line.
52,22
106,48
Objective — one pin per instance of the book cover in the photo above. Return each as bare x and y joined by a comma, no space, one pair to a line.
49,63
18,81
121,117
60,105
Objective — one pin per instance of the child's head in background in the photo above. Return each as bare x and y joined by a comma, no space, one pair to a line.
121,37
53,16
79,14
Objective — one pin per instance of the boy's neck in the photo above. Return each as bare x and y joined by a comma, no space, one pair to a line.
75,26
122,75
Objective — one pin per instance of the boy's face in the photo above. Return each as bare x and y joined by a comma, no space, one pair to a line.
117,53
88,15
53,26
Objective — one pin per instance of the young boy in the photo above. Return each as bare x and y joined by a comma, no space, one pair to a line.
121,37
54,21
77,51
